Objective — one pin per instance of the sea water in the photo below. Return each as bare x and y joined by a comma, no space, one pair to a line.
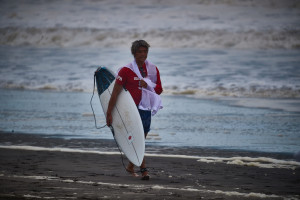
55,99
230,71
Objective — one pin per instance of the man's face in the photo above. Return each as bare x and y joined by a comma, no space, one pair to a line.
141,55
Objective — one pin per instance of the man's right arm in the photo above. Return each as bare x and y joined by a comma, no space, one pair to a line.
112,102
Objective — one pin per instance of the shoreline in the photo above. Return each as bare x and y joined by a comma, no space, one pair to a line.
50,171
52,140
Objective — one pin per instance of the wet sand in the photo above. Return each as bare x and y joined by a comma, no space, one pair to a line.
36,167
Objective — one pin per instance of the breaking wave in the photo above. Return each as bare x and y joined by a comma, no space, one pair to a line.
251,91
74,37
282,92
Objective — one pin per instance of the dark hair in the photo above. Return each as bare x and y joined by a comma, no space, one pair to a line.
137,44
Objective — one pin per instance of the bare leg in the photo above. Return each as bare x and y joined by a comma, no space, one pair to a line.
144,170
130,166
130,169
143,165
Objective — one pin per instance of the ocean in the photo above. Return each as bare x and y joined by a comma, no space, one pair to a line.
230,69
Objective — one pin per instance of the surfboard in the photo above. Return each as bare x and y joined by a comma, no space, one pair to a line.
127,127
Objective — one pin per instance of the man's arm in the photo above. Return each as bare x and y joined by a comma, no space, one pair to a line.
158,89
112,102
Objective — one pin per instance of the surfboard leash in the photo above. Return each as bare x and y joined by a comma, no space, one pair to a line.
122,159
92,105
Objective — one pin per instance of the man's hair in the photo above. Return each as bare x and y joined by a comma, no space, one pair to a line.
137,44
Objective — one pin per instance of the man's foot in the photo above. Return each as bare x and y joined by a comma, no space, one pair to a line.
131,171
145,175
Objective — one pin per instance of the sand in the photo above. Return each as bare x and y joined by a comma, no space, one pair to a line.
39,167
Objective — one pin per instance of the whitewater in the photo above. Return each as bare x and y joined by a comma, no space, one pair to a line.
170,24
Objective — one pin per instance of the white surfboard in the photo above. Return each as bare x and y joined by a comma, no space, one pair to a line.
127,125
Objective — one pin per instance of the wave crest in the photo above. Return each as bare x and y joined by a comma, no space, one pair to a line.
252,92
73,37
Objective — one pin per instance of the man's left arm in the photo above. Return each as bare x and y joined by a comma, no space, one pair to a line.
158,88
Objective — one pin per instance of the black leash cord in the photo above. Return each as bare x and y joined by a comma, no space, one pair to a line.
92,105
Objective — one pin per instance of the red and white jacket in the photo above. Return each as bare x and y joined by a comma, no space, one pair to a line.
148,98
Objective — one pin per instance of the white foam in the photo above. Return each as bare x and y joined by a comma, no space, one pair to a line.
58,149
44,197
75,37
262,162
35,196
264,90
242,24
156,187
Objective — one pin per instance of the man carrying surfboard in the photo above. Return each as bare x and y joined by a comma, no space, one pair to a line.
142,79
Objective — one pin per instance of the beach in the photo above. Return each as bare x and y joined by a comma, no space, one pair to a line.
39,167
230,123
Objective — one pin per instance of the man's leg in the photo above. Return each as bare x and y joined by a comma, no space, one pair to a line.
146,120
145,175
130,169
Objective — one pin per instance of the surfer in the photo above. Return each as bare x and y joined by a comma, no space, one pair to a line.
142,79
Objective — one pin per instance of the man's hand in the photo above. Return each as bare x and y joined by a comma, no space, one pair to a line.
113,99
143,84
108,119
